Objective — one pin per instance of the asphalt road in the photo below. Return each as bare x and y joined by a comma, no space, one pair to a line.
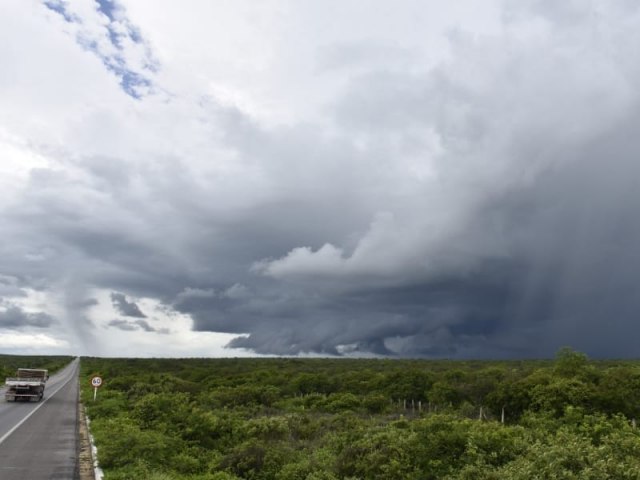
38,441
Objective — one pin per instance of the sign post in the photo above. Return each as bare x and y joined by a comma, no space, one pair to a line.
97,383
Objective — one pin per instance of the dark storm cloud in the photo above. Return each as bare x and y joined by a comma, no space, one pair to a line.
126,308
402,320
566,273
486,208
134,325
125,325
550,257
13,317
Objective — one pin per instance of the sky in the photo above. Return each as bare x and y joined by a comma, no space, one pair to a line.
319,178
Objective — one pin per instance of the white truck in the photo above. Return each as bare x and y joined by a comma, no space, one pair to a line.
28,385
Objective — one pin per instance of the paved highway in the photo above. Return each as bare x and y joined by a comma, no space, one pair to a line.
38,441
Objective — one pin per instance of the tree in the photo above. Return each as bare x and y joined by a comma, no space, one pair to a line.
570,363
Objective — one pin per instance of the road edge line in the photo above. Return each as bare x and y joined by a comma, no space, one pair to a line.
19,424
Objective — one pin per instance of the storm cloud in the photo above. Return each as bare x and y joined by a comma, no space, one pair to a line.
464,190
126,308
13,317
133,325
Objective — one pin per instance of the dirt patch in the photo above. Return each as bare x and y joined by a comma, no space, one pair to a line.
85,459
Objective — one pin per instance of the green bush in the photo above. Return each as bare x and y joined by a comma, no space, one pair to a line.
122,443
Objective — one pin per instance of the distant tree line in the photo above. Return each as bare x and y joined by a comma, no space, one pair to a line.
9,364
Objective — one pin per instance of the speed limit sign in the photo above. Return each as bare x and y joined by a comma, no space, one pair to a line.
96,382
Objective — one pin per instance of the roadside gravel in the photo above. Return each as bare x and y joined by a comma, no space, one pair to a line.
85,458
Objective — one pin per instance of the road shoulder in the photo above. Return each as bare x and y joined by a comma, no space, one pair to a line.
85,458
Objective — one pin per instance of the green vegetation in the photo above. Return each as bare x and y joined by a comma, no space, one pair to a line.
326,419
10,363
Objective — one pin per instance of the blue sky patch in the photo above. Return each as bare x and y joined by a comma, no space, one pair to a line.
60,8
107,7
132,80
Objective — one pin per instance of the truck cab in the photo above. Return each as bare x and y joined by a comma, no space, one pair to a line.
28,385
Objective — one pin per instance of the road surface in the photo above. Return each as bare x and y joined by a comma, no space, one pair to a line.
38,441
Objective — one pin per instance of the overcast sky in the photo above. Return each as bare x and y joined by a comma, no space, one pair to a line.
337,177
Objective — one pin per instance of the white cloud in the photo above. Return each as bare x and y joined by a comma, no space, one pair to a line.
40,343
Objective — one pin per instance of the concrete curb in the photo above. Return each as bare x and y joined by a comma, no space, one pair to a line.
97,471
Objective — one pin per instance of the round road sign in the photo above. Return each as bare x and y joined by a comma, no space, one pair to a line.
96,382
